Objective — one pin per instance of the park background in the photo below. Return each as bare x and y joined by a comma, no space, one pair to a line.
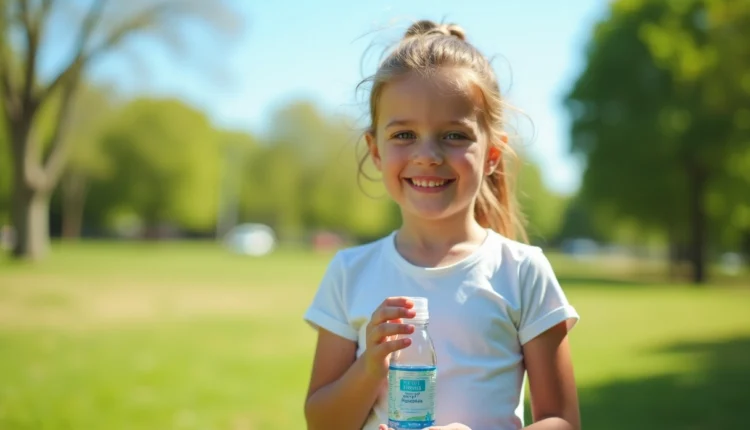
142,141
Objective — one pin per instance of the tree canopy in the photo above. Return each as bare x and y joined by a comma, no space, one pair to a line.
661,115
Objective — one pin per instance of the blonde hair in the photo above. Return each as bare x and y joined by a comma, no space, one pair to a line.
427,46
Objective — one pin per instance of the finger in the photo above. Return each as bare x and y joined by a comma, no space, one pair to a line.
398,301
390,346
391,313
369,329
395,302
391,329
391,302
387,317
382,332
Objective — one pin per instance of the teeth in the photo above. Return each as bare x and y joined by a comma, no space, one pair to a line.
428,184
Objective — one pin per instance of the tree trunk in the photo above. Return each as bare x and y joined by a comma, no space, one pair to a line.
673,263
74,187
30,216
697,184
29,205
674,259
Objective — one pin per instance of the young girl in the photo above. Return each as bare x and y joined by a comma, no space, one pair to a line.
496,308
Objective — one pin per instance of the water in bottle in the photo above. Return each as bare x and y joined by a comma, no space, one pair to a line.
412,376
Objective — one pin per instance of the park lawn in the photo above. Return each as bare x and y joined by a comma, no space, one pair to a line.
187,336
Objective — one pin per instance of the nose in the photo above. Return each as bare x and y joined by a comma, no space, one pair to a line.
427,152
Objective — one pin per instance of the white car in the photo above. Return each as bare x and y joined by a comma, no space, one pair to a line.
251,239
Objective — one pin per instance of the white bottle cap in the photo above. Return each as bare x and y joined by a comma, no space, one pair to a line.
420,306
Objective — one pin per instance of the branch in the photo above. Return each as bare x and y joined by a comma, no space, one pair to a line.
9,104
46,6
55,162
41,16
23,7
29,151
141,21
82,58
79,57
6,88
38,177
32,32
71,75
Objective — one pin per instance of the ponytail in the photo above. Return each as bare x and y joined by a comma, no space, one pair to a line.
496,208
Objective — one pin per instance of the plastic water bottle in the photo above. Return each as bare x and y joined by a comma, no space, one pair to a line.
412,376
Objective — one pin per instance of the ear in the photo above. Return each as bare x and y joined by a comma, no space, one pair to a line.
372,146
494,155
493,159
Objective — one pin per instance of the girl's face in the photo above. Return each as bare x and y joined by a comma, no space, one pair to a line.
430,147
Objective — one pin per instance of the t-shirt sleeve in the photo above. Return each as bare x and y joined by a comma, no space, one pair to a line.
543,302
328,308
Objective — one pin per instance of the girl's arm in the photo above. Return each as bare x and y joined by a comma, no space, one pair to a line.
343,389
341,392
554,399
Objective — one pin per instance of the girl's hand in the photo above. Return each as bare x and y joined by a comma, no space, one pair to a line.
454,426
384,324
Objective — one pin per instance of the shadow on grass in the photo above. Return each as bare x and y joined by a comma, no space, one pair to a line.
716,396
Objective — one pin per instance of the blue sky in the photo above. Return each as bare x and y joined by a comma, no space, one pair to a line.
314,50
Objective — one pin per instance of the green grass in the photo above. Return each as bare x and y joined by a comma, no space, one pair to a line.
186,336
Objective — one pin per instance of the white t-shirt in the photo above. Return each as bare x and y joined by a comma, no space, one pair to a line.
482,310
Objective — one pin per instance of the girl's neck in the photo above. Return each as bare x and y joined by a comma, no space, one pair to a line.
438,243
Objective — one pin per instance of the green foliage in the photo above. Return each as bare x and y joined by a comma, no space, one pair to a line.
6,164
542,208
660,112
93,109
6,174
164,159
160,161
305,177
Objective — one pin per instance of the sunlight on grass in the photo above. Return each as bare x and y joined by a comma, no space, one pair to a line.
187,336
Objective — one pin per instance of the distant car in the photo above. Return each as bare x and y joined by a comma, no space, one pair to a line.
580,247
731,263
251,239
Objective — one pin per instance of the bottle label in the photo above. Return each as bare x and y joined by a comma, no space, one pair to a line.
411,397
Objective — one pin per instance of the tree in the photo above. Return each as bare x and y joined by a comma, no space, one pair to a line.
5,177
91,113
25,34
659,113
235,148
542,208
305,178
163,162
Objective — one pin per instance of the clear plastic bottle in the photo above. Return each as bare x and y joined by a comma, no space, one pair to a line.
412,376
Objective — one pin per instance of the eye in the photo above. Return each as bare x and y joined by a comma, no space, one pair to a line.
404,135
456,136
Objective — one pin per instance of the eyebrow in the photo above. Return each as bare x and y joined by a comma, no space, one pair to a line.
463,123
398,122
403,122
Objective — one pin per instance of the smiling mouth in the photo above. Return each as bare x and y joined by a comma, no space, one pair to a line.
429,184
